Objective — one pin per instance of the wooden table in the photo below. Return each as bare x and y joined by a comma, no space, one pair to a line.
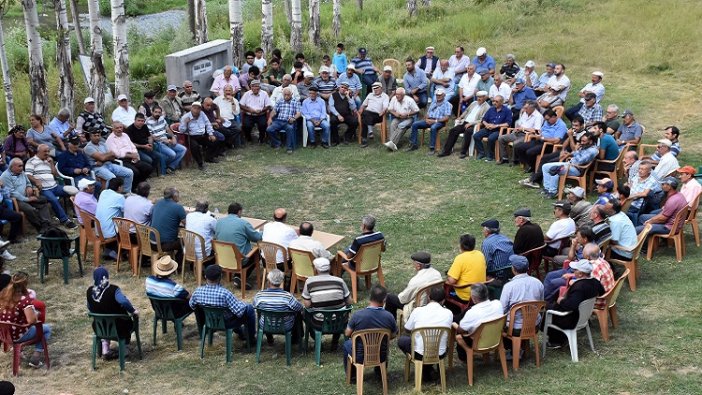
255,222
328,240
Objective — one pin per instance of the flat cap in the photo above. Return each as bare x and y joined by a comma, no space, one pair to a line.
491,223
519,262
213,272
421,257
522,212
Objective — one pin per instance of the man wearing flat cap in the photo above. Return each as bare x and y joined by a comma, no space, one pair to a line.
160,285
424,275
522,288
255,105
529,235
465,124
497,249
342,110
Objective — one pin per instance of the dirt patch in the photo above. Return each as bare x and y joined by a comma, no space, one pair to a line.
285,170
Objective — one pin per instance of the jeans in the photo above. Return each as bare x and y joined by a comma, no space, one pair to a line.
423,98
110,170
656,229
551,182
280,125
433,128
32,332
311,135
553,282
492,135
171,155
52,196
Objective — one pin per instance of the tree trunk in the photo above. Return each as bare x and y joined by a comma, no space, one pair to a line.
97,68
6,83
360,4
426,3
63,56
336,18
412,7
191,19
200,22
267,26
287,7
76,25
296,26
236,29
314,22
120,49
37,73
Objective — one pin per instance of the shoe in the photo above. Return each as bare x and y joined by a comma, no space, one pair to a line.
391,146
502,161
551,195
430,153
201,166
4,244
237,283
313,144
7,256
489,159
531,184
442,155
463,156
524,181
69,224
481,156
170,171
364,143
370,134
412,147
110,254
110,355
289,152
325,145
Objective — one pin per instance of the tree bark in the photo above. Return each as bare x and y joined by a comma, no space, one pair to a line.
336,18
76,25
120,48
426,3
37,72
412,7
191,19
97,68
63,56
296,26
267,26
360,4
314,22
6,83
201,22
287,7
236,30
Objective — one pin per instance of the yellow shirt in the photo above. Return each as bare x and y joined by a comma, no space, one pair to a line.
468,268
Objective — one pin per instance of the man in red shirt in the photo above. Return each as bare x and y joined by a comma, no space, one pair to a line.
662,220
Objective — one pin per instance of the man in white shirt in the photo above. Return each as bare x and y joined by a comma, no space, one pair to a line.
483,310
467,87
202,222
443,77
286,82
279,232
306,243
563,227
424,275
529,122
500,88
668,162
458,63
465,124
124,113
403,110
559,82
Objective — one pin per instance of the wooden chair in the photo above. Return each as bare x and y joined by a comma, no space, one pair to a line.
535,256
55,248
643,150
692,219
228,256
270,252
585,310
383,129
184,140
94,236
367,262
149,244
510,146
124,241
632,264
676,234
486,339
397,69
450,300
530,312
372,341
8,342
609,306
563,244
559,110
302,267
190,241
601,168
581,179
432,338
546,148
25,221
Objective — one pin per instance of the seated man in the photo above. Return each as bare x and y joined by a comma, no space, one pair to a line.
305,242
486,81
483,310
564,226
590,110
34,206
141,136
629,132
124,113
469,267
342,110
433,315
85,199
496,117
662,222
200,134
501,88
403,110
314,111
368,235
283,119
61,124
529,235
555,279
540,88
188,96
172,105
623,231
428,61
552,131
275,73
521,288
672,133
549,100
585,153
74,162
305,85
372,317
110,205
234,229
213,294
101,158
41,171
520,94
166,217
483,61
424,275
691,188
528,123
138,207
416,83
160,285
165,142
528,74
600,227
442,77
509,68
467,86
668,162
226,136
373,111
325,84
579,207
286,83
465,124
123,148
643,188
388,82
436,118
202,222
595,87
277,299
497,248
280,233
255,106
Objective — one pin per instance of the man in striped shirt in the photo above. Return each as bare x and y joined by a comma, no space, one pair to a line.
164,141
275,298
367,236
160,285
41,171
365,68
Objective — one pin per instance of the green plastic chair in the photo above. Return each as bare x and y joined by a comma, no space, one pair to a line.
51,249
274,323
335,322
163,310
105,328
214,321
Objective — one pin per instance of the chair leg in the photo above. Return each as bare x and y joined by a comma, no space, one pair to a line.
573,344
544,341
442,374
96,253
318,347
469,366
348,371
418,367
202,342
632,276
516,348
381,277
259,340
354,286
614,316
408,362
121,354
288,347
649,250
536,350
359,379
589,337
119,255
678,247
695,231
384,376
604,324
65,270
155,326
96,344
16,359
503,359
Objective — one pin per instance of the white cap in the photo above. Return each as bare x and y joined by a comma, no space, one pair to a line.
88,100
350,67
440,91
122,97
387,68
598,73
481,51
666,142
321,264
196,103
481,93
84,183
324,69
530,63
308,74
429,49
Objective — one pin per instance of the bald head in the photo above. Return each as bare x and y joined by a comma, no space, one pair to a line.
591,251
279,215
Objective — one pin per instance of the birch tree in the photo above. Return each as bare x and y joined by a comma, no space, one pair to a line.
63,56
191,19
426,3
201,22
97,68
314,22
267,26
236,29
412,7
37,72
76,24
287,8
296,26
359,3
6,82
336,18
120,49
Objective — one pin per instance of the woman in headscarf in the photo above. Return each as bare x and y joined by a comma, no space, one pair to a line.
106,298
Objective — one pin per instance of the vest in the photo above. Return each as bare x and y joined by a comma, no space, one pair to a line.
147,109
108,304
342,105
93,121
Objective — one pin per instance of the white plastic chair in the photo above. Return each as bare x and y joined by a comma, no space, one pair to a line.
585,308
305,132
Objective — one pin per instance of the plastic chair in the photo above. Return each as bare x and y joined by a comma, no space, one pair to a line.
81,227
676,234
124,241
163,310
334,323
367,262
52,248
228,256
692,219
632,264
94,236
585,310
431,338
302,267
7,343
105,328
149,243
581,179
214,322
383,128
421,298
564,243
486,339
609,309
615,165
270,253
530,312
372,341
190,240
274,324
535,256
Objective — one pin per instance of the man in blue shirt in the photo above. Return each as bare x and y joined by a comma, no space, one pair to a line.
585,153
483,61
520,94
234,229
314,109
497,249
609,150
283,118
437,116
415,83
553,131
166,217
496,117
110,205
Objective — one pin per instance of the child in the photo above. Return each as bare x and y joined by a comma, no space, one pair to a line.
340,60
260,61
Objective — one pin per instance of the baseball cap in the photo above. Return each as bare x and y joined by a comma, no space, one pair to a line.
582,265
577,191
519,262
324,69
196,103
666,142
351,67
565,205
627,112
387,68
687,169
440,91
308,74
379,85
84,183
520,81
606,182
672,181
172,87
529,63
344,84
88,100
122,97
481,51
362,51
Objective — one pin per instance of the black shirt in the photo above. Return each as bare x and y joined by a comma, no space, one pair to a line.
138,136
529,236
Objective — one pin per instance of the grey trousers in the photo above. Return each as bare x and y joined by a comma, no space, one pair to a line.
505,139
398,127
37,213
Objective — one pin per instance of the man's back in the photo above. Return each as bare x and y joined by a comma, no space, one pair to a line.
431,315
110,205
529,236
479,313
215,295
233,229
372,318
277,299
522,288
325,291
166,218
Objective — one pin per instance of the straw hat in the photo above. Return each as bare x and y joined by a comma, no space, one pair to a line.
165,266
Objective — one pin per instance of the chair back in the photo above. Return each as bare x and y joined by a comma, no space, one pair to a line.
93,230
422,296
105,325
396,67
368,257
54,247
432,337
585,310
641,238
529,312
559,110
692,215
149,240
610,297
227,255
214,317
372,341
163,307
302,262
534,256
6,335
335,321
272,321
272,253
124,230
191,242
679,221
489,334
